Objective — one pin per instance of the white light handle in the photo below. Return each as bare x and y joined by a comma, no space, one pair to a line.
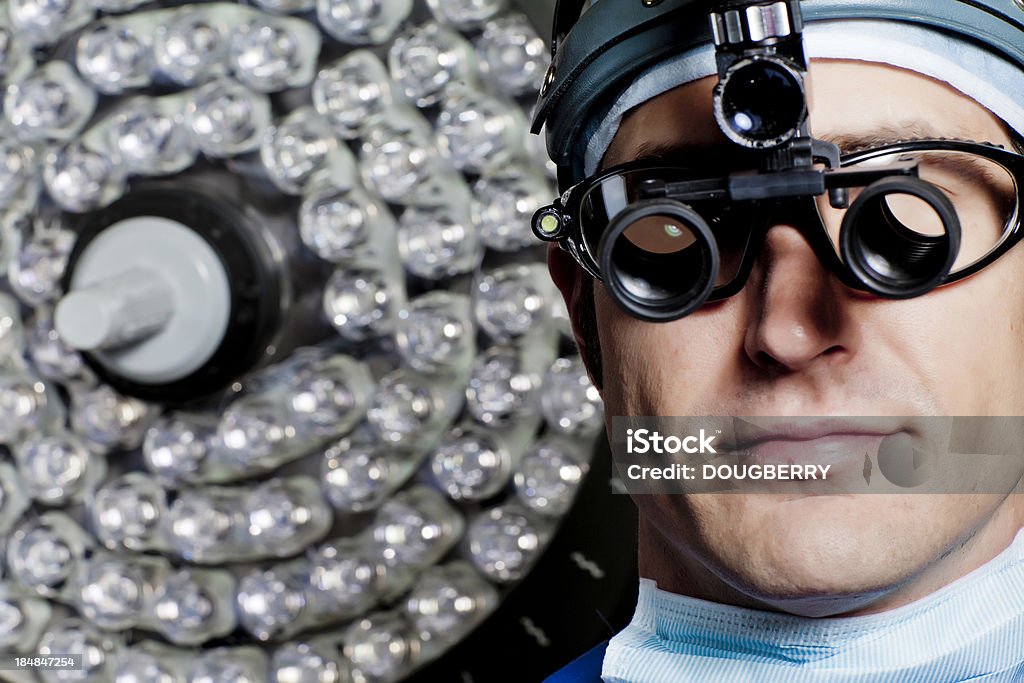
124,308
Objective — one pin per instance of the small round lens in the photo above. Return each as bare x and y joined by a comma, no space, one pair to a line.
659,260
900,237
760,103
982,190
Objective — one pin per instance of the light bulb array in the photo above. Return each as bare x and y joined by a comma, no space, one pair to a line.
350,504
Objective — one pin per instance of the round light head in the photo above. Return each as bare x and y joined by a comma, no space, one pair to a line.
759,102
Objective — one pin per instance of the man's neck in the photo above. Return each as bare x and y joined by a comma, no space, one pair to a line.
679,570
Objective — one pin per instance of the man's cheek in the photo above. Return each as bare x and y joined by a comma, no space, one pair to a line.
648,376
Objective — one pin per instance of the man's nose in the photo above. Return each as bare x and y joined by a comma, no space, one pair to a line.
799,313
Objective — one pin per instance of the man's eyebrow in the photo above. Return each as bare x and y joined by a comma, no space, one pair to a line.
648,149
673,149
892,133
661,148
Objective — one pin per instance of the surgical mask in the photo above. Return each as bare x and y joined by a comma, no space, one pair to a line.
971,629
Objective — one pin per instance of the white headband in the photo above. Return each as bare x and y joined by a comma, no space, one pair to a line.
994,82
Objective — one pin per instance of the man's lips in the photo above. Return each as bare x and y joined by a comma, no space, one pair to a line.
748,435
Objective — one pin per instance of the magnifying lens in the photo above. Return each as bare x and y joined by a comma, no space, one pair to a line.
660,260
900,237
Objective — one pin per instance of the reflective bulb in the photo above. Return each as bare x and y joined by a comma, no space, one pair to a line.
39,558
512,56
479,132
438,242
447,602
359,475
80,178
301,149
192,606
191,47
416,527
109,419
176,447
404,169
50,105
254,434
44,552
328,397
471,463
351,90
44,21
504,203
380,647
199,526
115,57
466,15
27,406
500,388
355,478
58,468
511,301
426,58
151,139
361,301
410,410
342,578
549,475
284,516
268,604
127,512
360,22
571,404
273,54
182,603
37,269
72,635
437,332
505,541
110,593
339,224
226,118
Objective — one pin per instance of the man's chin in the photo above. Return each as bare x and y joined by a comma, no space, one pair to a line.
820,555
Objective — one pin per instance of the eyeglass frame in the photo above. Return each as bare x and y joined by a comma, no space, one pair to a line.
569,234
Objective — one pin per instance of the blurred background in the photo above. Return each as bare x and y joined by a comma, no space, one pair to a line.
286,393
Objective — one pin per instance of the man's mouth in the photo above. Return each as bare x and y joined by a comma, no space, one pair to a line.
809,441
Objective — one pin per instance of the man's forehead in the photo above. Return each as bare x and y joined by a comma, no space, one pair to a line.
853,104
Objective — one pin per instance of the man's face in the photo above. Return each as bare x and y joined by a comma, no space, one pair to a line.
795,341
